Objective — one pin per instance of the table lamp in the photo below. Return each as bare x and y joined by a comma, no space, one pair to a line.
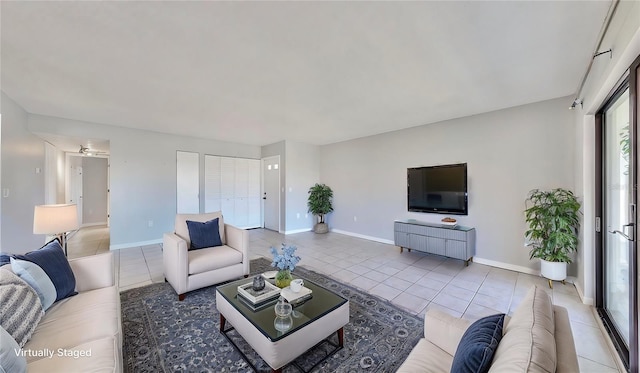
56,220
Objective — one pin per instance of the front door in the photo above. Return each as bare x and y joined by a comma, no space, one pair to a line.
271,192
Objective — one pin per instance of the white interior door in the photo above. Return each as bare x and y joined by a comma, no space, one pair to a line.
241,212
228,189
188,182
271,192
75,186
253,194
212,183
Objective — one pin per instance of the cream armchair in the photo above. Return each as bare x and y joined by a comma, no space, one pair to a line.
190,270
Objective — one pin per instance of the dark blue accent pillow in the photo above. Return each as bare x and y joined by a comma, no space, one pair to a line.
51,259
478,344
4,259
205,234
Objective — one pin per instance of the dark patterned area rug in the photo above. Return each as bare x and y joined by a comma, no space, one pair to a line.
162,334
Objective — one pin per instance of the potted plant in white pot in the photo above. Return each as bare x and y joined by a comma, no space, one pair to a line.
319,204
553,220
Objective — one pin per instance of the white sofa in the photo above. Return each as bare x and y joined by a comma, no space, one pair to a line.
536,338
187,270
83,332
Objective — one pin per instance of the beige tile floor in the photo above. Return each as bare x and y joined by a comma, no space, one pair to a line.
412,280
88,241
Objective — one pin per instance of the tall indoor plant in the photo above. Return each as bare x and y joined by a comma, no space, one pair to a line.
553,220
319,204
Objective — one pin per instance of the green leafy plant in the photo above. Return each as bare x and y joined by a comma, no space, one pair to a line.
625,145
553,220
319,202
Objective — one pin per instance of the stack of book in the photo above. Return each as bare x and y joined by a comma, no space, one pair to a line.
296,298
258,299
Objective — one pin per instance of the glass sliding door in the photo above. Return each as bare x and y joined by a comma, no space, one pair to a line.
616,225
617,212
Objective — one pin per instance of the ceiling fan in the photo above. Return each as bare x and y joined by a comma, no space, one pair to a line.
88,152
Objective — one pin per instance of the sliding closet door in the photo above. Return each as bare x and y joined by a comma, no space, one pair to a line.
212,182
232,185
253,194
228,189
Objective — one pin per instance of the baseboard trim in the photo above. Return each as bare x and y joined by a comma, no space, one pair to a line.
294,231
510,267
586,300
134,244
492,263
358,235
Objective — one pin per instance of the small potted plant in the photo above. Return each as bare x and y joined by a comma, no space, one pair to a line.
319,204
285,260
553,220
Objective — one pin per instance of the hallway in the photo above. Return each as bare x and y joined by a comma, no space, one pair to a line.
88,241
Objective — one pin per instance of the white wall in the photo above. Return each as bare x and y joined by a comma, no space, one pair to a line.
302,172
22,153
143,173
299,170
54,175
508,153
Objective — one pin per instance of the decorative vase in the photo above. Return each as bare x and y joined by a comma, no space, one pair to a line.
282,324
282,308
258,283
283,278
321,228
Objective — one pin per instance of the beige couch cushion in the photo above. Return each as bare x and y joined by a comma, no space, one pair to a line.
528,343
77,320
428,358
209,259
444,330
104,357
183,231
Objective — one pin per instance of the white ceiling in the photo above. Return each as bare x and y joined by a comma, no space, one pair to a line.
314,72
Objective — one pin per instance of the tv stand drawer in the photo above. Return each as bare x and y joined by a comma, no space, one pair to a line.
446,241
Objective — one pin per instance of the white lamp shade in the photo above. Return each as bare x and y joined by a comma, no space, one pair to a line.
55,219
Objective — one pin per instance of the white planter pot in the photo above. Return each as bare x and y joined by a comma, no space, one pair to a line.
556,271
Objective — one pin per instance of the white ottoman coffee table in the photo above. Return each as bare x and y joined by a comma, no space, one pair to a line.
312,322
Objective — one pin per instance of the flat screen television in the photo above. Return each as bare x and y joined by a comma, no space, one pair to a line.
438,189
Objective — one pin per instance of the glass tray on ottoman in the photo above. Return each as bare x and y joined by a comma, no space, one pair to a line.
269,292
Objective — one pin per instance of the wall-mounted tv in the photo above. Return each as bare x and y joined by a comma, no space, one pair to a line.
438,189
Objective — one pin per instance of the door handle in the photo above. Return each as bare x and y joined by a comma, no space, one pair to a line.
629,236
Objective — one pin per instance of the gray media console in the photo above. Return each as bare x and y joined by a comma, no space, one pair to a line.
457,242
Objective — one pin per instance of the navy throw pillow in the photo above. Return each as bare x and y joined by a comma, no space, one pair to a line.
478,344
51,259
205,234
4,259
